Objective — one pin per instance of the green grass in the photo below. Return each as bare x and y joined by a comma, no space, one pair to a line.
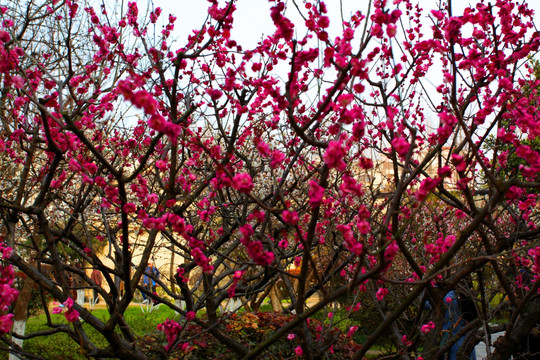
60,346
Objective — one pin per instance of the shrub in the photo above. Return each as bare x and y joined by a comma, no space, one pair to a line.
251,329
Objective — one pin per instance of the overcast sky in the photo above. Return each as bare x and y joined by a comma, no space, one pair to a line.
252,17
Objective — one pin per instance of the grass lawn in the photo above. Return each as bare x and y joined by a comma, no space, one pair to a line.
60,346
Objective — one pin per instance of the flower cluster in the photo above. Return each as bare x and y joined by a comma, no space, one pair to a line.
171,329
71,314
236,278
426,328
8,294
144,100
255,248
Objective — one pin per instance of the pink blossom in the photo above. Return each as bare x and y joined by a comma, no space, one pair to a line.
161,165
323,22
345,99
334,155
381,293
290,217
215,94
284,25
4,36
18,82
90,167
352,330
257,215
68,303
437,14
535,254
74,165
377,31
426,45
405,341
459,161
71,315
7,23
8,294
238,275
277,159
449,241
171,329
316,193
391,251
256,251
202,260
130,208
6,322
298,350
263,148
426,186
246,231
291,336
73,6
401,146
453,29
243,183
236,278
365,163
350,185
5,251
426,328
352,244
394,16
444,171
153,198
363,227
154,15
391,30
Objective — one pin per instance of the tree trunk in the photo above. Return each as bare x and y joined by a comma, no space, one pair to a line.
20,315
509,344
275,300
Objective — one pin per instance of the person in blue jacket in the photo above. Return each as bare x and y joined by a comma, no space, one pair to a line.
454,321
149,280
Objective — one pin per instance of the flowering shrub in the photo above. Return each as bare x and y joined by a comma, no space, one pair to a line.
366,160
251,329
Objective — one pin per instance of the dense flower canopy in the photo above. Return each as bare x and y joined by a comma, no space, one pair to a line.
320,165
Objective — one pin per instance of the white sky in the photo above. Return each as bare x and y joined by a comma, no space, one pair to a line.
252,17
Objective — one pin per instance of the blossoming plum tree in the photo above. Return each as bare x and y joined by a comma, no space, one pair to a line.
250,162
